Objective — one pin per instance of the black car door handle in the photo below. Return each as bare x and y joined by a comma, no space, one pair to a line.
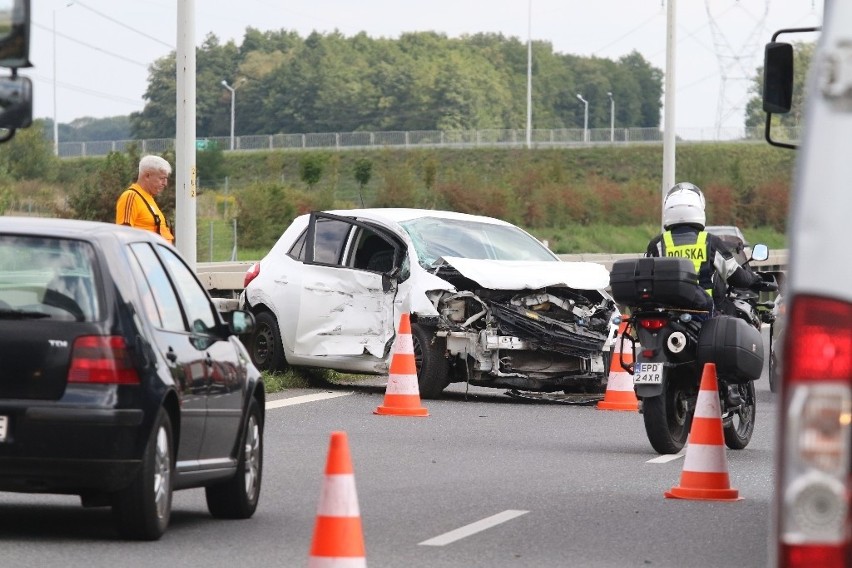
171,355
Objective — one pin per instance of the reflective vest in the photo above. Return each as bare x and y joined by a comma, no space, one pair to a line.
696,252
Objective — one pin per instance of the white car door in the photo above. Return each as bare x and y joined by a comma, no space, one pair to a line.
343,310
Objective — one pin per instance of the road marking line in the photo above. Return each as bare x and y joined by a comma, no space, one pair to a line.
473,528
666,459
303,399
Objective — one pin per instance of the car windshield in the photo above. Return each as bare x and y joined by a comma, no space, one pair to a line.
42,277
435,238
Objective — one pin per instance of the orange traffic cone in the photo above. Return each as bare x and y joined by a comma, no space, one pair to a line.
338,539
705,468
402,395
619,393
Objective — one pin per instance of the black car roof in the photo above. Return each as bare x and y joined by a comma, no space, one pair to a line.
74,228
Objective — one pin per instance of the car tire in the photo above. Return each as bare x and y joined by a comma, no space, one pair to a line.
237,498
433,368
265,345
142,510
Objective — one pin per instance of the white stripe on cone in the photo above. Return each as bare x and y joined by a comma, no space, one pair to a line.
339,562
705,458
402,384
707,405
404,344
620,382
338,497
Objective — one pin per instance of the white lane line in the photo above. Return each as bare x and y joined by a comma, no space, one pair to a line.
666,458
473,528
303,399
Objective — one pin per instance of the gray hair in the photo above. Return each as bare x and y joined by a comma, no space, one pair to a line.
154,164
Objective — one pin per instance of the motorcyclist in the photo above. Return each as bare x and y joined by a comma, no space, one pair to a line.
684,236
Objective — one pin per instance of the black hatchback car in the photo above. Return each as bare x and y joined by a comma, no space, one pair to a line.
119,380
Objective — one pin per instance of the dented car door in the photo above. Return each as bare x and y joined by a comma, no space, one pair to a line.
343,309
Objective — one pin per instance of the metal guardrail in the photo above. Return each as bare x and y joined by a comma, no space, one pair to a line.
227,277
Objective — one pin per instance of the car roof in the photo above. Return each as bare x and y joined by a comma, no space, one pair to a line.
73,228
400,214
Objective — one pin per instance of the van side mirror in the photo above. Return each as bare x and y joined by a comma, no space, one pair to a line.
15,33
778,77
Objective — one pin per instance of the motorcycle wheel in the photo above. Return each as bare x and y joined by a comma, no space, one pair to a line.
739,427
668,418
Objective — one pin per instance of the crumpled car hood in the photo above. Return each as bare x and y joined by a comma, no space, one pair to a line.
531,275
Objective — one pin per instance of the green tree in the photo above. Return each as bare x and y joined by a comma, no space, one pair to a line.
29,155
311,168
95,198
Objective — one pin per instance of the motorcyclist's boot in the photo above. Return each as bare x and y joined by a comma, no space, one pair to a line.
734,399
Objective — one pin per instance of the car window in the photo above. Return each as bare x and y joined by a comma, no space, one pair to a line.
146,293
164,296
52,278
297,251
434,238
199,310
330,240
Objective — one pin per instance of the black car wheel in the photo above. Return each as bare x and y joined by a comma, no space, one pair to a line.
433,368
237,498
265,346
142,510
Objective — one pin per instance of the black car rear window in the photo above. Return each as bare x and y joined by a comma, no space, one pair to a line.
47,278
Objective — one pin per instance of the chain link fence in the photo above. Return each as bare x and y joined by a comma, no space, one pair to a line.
540,138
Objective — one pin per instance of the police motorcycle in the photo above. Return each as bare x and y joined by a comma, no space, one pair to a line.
671,342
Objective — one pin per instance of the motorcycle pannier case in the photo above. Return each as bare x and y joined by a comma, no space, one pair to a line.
734,346
669,281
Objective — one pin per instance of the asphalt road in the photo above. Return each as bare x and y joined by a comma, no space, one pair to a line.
484,480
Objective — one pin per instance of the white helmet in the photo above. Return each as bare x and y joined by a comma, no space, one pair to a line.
684,204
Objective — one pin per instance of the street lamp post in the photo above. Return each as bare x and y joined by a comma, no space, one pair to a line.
585,118
611,117
56,118
233,97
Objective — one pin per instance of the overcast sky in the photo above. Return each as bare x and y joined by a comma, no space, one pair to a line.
104,47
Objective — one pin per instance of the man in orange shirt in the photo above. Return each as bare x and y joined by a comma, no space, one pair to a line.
136,206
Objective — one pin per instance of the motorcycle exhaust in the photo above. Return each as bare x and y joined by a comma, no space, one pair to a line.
676,342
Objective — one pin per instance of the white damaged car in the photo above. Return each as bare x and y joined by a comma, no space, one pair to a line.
489,304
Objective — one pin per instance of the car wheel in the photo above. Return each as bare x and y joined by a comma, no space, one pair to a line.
237,498
265,346
433,368
142,510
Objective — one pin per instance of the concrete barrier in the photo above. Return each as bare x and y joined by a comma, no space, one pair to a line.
224,279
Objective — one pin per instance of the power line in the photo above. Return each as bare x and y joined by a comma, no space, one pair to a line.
131,28
92,47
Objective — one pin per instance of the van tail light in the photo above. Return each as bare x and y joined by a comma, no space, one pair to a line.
812,500
653,324
251,273
97,359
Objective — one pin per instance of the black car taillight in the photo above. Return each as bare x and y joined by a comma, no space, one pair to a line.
102,360
251,273
816,434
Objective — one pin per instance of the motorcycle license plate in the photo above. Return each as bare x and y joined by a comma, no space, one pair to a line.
648,374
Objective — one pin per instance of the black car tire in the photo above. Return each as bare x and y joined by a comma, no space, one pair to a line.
265,346
142,510
433,368
237,498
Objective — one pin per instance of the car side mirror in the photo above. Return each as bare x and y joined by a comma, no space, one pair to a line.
760,252
240,322
15,33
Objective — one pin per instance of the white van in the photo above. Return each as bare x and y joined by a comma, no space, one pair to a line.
812,508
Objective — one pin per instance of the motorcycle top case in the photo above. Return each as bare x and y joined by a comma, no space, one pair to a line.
734,346
670,281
